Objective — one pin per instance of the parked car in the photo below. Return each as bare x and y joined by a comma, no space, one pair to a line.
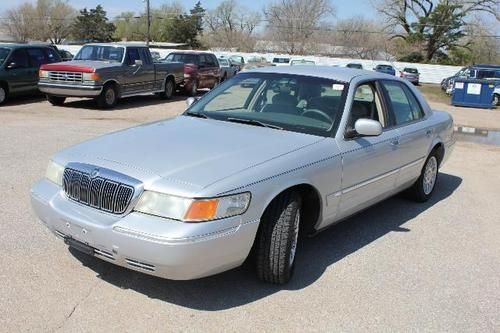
236,59
227,69
280,61
19,64
354,65
296,62
245,170
256,62
65,55
411,74
201,70
108,72
386,69
156,56
496,95
480,71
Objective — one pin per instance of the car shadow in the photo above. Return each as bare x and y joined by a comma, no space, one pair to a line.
240,286
23,99
123,103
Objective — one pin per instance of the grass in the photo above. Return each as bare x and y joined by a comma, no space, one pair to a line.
433,93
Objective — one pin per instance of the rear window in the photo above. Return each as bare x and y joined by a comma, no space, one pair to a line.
384,67
183,57
281,60
410,70
4,52
223,62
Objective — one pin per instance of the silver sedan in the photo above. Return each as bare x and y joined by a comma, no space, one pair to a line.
266,156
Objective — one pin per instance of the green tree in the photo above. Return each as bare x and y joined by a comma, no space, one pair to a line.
185,28
93,26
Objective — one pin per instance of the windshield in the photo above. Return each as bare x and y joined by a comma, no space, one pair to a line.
384,67
182,57
290,102
4,52
100,53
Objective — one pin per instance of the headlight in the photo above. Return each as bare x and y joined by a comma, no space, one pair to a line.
43,74
55,173
192,210
91,77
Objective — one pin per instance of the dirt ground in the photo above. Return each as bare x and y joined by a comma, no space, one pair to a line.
398,266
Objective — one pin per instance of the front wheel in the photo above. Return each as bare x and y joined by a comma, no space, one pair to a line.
496,100
168,92
108,97
277,239
55,100
423,188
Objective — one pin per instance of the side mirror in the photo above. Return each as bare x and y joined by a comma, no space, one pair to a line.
138,62
368,127
190,101
12,65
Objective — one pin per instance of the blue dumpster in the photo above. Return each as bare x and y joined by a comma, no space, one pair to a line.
473,93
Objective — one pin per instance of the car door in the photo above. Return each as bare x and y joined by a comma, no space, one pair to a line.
19,71
37,57
204,80
134,73
415,136
148,70
370,164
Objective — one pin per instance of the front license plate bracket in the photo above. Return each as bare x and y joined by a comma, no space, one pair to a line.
77,245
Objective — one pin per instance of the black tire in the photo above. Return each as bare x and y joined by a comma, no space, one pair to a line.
4,94
419,192
224,78
278,234
108,97
496,100
194,89
56,100
168,92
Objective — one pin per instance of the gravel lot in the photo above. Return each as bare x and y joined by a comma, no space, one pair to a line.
398,266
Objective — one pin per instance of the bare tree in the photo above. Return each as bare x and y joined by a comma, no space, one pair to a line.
293,22
231,26
45,20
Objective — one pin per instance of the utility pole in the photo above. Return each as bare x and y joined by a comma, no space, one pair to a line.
148,22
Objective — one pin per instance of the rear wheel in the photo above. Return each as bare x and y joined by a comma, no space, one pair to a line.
423,188
496,100
168,92
55,100
278,237
108,97
3,95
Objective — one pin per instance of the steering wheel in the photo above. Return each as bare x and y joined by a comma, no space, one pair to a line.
323,114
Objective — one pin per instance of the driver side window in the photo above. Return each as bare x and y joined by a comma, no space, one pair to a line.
366,104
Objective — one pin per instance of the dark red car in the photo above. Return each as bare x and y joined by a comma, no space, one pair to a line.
201,70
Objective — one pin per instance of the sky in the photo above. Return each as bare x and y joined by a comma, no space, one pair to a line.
345,8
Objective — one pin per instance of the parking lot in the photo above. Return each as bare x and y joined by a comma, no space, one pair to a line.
398,266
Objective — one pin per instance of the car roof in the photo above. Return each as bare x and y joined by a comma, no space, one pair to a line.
118,44
325,72
190,52
22,46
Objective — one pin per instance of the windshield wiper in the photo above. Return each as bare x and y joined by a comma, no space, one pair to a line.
197,115
253,122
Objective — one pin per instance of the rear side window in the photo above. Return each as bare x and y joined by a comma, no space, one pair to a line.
20,58
145,56
52,55
37,57
132,56
185,58
403,104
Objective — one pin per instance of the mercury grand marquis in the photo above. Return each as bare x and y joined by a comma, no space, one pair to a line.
267,155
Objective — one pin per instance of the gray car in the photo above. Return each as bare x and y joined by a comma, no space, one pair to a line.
227,69
266,156
108,72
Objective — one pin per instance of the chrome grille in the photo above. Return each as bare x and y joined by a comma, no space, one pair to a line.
98,192
66,76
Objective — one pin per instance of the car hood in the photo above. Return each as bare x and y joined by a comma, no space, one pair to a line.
184,155
85,66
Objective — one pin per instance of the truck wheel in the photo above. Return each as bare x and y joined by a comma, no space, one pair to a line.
496,100
55,100
423,188
194,89
168,92
108,97
277,239
3,94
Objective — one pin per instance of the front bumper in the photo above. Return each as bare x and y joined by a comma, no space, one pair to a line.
152,245
67,90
